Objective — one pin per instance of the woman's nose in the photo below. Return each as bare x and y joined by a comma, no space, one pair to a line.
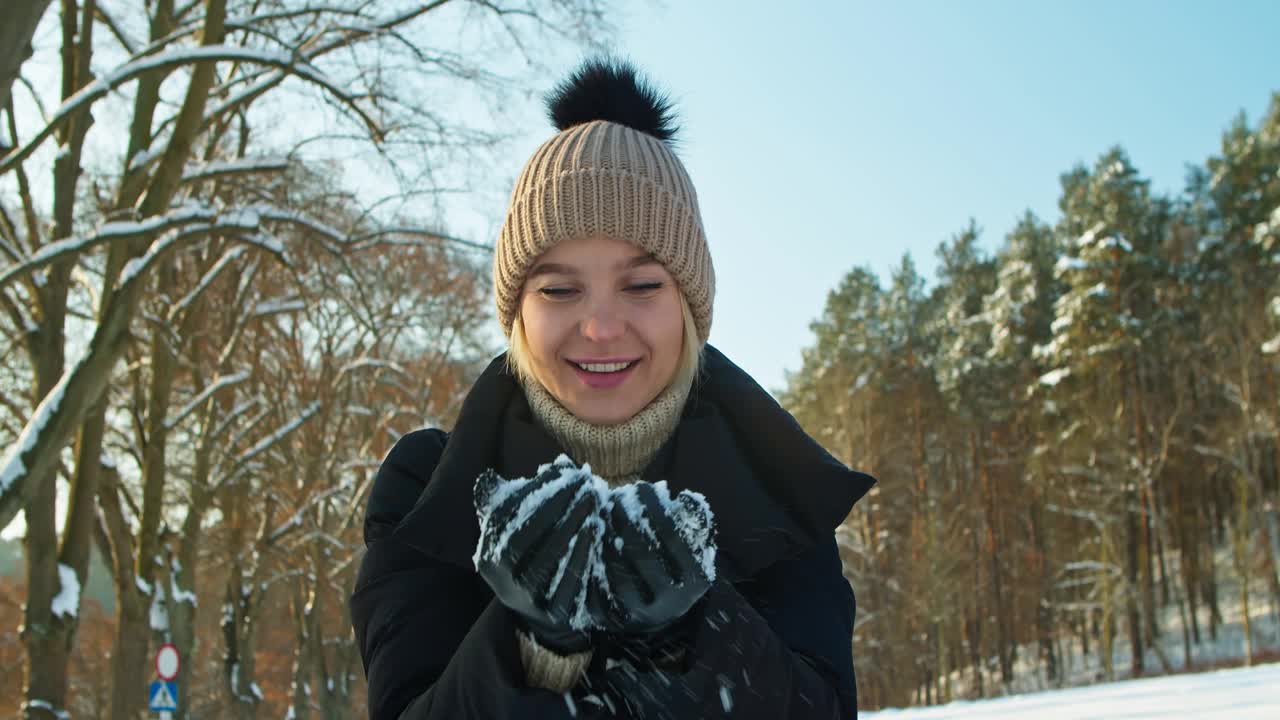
602,323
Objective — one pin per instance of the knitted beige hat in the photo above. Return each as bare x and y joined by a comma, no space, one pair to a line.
609,171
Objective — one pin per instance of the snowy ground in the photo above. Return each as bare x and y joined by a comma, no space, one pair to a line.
1241,694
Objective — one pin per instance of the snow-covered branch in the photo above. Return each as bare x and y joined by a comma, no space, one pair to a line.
326,231
281,432
214,387
276,306
242,166
13,468
412,237
94,91
210,275
185,222
368,362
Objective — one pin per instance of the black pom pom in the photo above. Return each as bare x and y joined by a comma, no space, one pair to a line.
608,89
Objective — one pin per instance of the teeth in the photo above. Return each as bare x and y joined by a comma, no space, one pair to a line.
603,367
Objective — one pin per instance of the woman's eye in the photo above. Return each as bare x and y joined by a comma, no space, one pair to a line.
645,287
556,292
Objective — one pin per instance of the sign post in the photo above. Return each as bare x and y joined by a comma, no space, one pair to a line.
163,693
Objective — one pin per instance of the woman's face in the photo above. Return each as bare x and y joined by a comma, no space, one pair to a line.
604,327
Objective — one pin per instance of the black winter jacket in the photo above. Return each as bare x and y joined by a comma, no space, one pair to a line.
771,639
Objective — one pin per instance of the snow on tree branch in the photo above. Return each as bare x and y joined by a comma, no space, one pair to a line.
236,412
13,468
195,221
94,91
368,362
242,166
412,237
217,385
280,433
276,306
210,275
208,219
296,218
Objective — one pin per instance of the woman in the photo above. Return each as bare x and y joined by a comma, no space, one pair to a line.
622,523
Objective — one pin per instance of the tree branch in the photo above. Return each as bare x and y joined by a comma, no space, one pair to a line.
91,93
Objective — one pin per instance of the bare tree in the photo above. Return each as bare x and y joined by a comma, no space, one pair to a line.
96,260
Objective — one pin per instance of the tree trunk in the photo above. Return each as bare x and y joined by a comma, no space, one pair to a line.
1084,634
46,637
1269,543
239,632
1150,513
129,654
1166,594
346,663
993,557
304,650
1132,571
1192,585
1109,606
181,595
1044,611
46,647
133,596
73,559
1211,596
1187,621
49,636
21,19
975,651
1109,638
1243,566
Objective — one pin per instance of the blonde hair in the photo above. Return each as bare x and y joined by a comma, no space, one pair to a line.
520,360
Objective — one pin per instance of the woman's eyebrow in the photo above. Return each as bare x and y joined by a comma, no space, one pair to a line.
560,269
552,269
640,261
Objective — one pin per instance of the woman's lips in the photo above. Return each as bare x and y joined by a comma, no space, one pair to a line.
604,381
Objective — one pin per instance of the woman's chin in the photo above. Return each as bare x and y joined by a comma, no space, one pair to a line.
598,407
599,413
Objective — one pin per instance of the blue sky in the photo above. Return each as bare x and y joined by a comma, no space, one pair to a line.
823,136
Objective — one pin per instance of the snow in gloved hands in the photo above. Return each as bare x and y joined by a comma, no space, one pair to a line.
640,504
537,538
658,559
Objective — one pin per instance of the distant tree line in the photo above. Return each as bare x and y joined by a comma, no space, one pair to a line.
1076,436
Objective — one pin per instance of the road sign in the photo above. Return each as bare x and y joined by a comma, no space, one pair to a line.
164,696
167,662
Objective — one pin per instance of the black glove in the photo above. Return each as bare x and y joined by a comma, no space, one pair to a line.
659,559
538,539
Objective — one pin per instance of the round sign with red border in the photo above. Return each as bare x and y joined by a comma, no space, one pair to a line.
167,661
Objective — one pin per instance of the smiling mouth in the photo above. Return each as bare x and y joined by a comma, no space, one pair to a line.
603,368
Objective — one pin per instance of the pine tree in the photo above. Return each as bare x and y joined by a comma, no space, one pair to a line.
1237,201
1101,377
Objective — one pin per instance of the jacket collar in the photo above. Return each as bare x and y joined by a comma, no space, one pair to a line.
775,491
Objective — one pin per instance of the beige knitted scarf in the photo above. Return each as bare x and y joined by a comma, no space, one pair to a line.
617,453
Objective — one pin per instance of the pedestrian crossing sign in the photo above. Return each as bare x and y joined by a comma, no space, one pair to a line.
164,696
